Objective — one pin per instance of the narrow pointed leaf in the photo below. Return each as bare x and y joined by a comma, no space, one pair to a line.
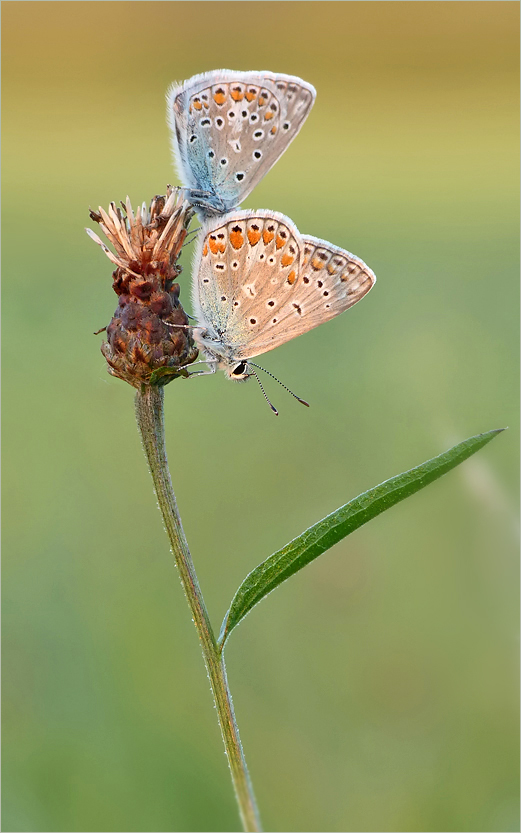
327,532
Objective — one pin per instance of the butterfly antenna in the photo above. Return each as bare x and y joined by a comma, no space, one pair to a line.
264,392
303,401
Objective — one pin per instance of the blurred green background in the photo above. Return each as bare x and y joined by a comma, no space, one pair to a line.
377,690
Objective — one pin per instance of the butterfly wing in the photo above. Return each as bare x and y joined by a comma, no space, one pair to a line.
244,271
329,281
229,128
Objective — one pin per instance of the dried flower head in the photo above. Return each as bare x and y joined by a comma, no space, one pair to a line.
148,339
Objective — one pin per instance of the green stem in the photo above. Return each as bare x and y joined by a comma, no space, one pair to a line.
150,419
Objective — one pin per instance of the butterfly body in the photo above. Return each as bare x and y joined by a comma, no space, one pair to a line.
229,128
259,283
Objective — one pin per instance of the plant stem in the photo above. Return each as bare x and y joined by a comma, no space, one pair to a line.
150,419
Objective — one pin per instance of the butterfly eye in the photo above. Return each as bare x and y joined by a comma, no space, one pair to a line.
240,369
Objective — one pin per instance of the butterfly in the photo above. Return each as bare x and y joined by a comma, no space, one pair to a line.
229,128
258,282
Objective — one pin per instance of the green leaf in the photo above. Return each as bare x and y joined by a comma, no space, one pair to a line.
327,532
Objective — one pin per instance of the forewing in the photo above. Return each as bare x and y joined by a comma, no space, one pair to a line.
229,128
244,272
330,280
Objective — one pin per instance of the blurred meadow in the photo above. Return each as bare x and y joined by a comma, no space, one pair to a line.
378,689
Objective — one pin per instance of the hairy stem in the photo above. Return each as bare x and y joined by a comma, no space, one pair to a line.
150,419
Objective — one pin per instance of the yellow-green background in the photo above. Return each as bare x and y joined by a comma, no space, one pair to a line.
377,690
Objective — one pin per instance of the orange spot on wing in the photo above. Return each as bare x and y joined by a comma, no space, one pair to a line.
287,260
219,98
254,236
348,274
279,242
215,246
268,236
250,95
205,250
262,100
273,130
292,277
316,263
236,238
237,95
268,115
197,104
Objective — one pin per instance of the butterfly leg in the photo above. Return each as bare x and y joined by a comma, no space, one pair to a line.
211,365
182,326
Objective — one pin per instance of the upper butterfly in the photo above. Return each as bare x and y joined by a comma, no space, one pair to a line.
229,128
259,283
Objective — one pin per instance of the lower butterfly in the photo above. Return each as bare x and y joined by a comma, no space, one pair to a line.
259,283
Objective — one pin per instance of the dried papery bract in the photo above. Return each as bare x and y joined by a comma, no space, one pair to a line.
144,345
